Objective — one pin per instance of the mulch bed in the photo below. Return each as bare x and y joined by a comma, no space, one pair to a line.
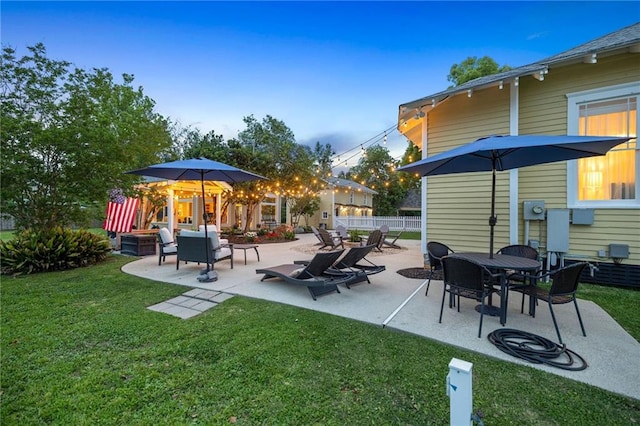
418,273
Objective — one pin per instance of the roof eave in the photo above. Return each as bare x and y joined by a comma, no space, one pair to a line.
408,110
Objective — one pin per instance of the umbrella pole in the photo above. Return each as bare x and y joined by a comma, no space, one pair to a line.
493,219
204,218
205,277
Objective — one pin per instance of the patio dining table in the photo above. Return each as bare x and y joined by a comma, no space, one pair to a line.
501,263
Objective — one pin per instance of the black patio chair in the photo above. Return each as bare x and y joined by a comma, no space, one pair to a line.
464,278
517,278
436,251
563,290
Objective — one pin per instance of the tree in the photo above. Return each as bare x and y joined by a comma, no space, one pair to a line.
67,137
304,205
472,68
411,154
194,144
268,148
322,155
376,170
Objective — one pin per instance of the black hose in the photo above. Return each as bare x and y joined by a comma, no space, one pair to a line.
536,349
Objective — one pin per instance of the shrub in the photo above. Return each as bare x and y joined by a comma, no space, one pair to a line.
355,236
53,250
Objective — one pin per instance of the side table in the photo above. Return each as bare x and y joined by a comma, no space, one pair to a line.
245,247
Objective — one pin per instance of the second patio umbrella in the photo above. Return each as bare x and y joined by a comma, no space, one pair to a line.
498,153
199,169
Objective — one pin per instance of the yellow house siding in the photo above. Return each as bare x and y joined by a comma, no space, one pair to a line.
459,205
543,110
461,119
543,104
610,226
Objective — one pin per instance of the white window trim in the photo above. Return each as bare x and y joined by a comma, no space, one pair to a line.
600,94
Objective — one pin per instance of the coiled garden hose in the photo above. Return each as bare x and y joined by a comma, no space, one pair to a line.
536,349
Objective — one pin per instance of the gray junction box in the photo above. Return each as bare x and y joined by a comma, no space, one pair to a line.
558,230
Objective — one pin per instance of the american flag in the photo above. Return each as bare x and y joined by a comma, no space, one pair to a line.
121,212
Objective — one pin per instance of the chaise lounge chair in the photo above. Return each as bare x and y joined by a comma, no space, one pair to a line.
312,275
348,264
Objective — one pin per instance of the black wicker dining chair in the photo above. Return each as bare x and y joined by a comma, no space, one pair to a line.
464,278
517,278
563,290
436,251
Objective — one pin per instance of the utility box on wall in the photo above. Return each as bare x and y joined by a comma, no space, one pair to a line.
533,210
558,230
582,217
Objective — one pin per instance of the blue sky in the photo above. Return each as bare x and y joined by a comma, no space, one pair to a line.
334,72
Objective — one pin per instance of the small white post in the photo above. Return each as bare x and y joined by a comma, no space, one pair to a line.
460,392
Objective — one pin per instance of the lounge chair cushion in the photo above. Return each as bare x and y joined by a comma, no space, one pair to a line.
210,228
187,233
296,272
168,246
165,236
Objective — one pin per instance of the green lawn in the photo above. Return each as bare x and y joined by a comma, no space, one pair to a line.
79,347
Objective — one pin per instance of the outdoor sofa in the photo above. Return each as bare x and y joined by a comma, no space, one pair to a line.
191,248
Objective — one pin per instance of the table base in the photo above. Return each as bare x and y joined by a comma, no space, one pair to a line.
492,311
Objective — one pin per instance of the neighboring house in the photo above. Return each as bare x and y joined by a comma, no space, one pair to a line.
592,89
343,197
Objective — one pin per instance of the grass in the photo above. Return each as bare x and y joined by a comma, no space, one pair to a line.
79,347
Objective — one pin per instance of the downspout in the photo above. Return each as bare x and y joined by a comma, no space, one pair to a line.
425,237
513,173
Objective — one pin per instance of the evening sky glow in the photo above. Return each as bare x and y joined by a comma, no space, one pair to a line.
334,72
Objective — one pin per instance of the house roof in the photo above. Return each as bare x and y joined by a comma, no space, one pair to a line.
413,200
346,183
624,40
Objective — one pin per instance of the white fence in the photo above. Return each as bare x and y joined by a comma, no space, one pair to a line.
7,223
395,223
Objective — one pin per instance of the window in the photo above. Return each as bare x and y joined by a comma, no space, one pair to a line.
325,215
351,197
611,180
365,199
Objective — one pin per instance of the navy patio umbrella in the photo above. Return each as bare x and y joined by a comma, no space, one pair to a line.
498,153
198,169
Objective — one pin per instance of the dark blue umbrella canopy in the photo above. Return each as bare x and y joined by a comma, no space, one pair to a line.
511,152
498,153
197,169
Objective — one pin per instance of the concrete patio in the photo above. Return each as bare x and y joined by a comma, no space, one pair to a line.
399,303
